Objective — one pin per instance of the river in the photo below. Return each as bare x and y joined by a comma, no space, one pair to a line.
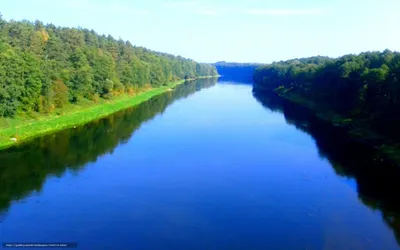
206,166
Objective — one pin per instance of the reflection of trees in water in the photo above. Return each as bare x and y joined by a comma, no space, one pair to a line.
25,168
377,180
3,215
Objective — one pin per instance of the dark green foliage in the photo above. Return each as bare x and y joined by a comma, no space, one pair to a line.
35,59
362,88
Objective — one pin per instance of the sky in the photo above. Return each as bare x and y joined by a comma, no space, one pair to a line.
229,30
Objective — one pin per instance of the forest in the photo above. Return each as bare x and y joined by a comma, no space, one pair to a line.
45,67
361,92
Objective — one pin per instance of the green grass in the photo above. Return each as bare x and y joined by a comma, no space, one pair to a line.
25,128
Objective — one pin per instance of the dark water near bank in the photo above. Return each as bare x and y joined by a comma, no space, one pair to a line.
206,166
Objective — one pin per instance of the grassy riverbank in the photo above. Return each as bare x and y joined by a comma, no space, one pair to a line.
25,128
357,129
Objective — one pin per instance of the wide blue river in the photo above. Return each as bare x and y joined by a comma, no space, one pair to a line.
210,165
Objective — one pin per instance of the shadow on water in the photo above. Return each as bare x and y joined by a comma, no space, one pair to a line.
378,184
25,168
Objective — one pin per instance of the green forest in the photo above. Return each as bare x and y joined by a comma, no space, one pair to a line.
45,67
361,92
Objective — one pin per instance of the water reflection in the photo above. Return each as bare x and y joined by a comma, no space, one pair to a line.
378,184
25,168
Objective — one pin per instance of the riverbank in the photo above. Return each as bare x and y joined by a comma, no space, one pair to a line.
357,130
17,130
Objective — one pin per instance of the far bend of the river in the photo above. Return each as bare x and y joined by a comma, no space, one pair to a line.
206,166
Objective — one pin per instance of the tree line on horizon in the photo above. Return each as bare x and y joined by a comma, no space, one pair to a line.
44,67
363,89
241,72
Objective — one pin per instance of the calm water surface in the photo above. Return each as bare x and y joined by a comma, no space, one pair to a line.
206,166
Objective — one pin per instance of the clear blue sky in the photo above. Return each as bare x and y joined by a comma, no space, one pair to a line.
230,30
